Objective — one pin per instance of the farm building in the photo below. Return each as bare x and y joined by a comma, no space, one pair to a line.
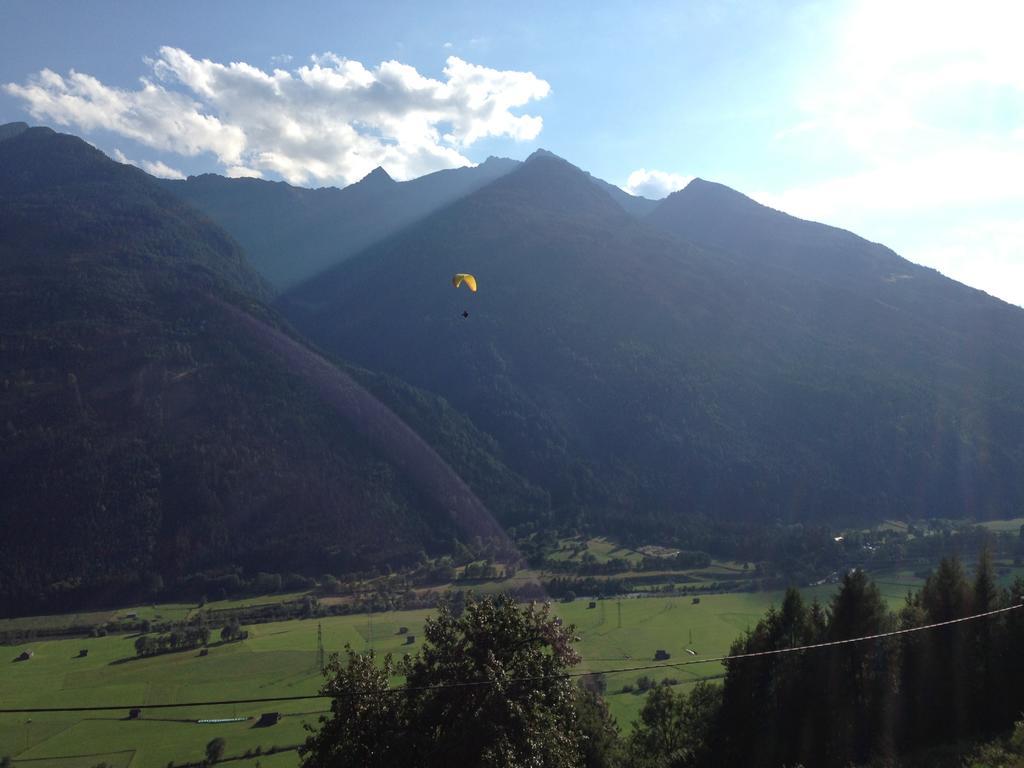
26,655
267,719
662,655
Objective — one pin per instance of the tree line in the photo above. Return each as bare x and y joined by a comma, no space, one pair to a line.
491,687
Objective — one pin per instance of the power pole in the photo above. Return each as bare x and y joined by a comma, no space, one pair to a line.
618,604
320,647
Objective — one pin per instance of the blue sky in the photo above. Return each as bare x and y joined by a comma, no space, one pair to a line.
903,122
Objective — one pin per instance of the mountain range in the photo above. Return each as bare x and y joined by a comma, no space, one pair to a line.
239,372
714,358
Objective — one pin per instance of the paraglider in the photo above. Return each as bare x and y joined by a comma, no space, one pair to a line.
464,278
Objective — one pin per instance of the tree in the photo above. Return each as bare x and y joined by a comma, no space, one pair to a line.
675,731
946,595
365,725
215,749
487,688
231,631
986,593
986,686
859,674
144,645
769,702
600,744
519,711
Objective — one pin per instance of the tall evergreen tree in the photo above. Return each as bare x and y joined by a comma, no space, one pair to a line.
987,687
944,690
860,688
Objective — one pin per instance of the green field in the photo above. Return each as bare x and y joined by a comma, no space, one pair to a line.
279,659
601,548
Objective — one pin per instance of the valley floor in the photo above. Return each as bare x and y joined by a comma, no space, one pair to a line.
280,660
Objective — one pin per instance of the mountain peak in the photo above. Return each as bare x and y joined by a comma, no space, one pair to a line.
549,182
377,177
701,189
545,154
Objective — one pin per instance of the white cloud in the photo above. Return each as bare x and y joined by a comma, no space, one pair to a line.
153,168
447,45
654,184
161,170
150,115
241,172
330,121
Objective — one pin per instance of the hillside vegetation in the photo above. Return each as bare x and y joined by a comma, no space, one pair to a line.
156,417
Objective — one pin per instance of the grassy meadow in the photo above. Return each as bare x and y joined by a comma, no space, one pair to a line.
279,659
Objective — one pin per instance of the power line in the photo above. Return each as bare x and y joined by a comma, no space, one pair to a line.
527,679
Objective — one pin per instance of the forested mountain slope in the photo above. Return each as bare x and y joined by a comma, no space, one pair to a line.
635,374
157,417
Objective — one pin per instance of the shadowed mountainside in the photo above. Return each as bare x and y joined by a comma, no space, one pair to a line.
157,417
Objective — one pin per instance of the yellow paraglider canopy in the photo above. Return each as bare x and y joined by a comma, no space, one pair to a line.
461,278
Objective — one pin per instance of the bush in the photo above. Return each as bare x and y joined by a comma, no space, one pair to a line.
645,683
215,749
